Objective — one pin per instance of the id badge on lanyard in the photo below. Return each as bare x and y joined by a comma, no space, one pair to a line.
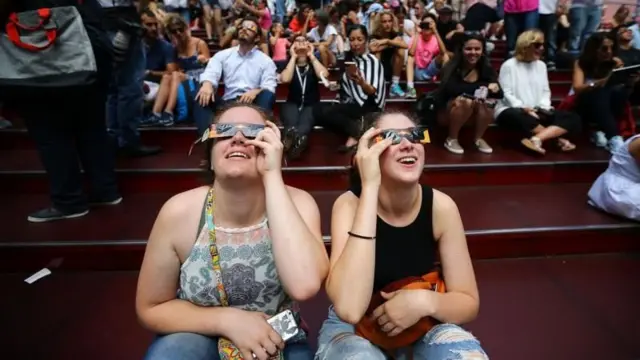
303,83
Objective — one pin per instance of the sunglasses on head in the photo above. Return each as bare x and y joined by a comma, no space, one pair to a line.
415,135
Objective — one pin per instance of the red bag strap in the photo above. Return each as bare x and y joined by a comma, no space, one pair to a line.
14,34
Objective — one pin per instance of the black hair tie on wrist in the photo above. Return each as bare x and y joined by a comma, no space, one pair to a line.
361,237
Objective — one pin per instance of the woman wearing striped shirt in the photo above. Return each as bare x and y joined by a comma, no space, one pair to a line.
362,90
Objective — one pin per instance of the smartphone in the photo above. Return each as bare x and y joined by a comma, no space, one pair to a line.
284,324
350,66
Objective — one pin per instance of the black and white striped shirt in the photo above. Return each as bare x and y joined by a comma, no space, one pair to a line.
372,71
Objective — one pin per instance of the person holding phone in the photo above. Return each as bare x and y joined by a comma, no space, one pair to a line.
362,90
427,54
527,109
596,102
466,82
224,258
388,228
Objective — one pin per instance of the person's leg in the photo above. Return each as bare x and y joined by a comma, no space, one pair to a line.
511,32
298,351
130,79
96,157
530,20
337,340
448,342
578,21
183,346
265,100
51,130
548,24
593,16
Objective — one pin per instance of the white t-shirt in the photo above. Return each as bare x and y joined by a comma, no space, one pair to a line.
330,30
408,26
546,7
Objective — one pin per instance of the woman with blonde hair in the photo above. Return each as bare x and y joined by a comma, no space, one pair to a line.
528,109
387,44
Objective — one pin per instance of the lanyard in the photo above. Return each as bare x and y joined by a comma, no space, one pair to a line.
303,82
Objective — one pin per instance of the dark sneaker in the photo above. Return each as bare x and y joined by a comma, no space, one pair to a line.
166,119
152,120
97,202
53,214
290,135
299,146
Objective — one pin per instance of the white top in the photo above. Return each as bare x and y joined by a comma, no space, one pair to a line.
314,36
524,85
546,7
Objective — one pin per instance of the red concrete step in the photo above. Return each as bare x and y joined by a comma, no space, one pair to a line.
500,222
321,167
559,288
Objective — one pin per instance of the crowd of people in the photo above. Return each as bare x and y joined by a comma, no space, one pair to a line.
224,258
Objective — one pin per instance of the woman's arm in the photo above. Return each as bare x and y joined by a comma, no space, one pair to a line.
203,50
634,150
396,42
298,248
461,301
578,81
318,68
287,74
508,83
157,307
350,281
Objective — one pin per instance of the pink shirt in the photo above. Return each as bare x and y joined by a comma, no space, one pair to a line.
265,20
520,6
280,49
426,51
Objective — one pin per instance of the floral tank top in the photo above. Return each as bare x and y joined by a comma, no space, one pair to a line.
248,270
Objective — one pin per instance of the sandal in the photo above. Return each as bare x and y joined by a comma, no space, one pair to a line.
566,145
534,144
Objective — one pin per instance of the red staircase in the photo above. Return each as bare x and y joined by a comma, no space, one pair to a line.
513,204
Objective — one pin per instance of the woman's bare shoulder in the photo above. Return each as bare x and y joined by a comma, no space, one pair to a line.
184,203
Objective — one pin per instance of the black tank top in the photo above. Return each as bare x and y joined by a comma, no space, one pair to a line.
405,251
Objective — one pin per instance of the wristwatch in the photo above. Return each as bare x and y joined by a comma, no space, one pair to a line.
591,84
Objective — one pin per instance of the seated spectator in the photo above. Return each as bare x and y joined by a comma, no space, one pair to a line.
279,45
304,94
323,38
230,37
406,27
160,54
467,72
426,55
527,109
449,29
629,56
179,8
387,229
483,18
416,12
597,101
267,248
249,75
303,21
617,190
388,46
192,54
196,15
362,90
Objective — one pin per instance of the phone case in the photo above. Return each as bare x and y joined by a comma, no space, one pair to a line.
284,324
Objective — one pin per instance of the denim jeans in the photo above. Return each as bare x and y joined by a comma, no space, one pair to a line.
203,116
191,346
517,23
281,11
584,20
549,26
126,95
337,340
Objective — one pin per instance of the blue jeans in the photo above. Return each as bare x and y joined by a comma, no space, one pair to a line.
190,346
517,23
281,11
203,116
584,22
337,340
427,73
126,95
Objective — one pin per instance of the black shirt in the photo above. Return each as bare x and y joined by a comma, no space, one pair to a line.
478,15
444,29
629,56
403,252
311,94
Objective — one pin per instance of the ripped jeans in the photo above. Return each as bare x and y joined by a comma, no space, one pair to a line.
337,341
